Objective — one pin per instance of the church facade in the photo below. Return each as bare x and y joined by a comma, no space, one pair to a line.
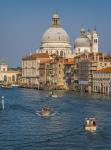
55,40
87,42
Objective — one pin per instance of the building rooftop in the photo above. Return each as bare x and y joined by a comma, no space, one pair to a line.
35,56
69,61
104,70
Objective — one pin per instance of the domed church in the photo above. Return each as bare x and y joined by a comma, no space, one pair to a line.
56,40
87,42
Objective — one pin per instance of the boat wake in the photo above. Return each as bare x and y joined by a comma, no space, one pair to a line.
42,115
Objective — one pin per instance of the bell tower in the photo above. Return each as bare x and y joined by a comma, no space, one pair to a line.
94,41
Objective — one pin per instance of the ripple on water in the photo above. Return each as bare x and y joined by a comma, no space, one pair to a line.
22,129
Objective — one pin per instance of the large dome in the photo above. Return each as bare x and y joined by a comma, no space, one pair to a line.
55,40
55,35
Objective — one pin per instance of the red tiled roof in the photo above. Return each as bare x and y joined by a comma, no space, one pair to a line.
104,70
45,61
69,61
36,55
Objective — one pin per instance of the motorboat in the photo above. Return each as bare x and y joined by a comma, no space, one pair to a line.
15,85
45,111
51,94
90,124
54,96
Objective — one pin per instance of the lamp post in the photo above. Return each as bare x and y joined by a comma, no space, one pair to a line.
110,88
38,82
3,102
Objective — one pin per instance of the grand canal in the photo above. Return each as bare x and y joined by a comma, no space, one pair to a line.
22,129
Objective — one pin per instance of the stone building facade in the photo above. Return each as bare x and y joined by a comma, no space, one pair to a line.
87,64
102,81
7,75
43,71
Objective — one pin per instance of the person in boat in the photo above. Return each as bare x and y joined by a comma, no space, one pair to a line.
90,122
46,109
93,123
50,93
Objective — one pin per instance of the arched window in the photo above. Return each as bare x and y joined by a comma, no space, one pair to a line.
79,50
5,78
61,53
95,40
13,77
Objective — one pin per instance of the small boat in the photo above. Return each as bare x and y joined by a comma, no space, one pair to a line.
6,86
45,112
15,85
51,94
90,124
54,96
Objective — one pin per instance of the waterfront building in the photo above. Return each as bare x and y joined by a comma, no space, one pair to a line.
55,40
87,42
43,71
8,75
32,69
56,73
85,71
87,64
70,73
103,61
102,81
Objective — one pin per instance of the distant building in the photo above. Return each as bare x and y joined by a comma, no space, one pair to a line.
87,42
102,81
8,75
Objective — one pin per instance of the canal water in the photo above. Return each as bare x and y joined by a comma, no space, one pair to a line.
22,129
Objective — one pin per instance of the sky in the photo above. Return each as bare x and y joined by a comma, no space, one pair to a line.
23,22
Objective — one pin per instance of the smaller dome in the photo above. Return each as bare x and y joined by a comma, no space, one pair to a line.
82,30
82,42
56,16
3,62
